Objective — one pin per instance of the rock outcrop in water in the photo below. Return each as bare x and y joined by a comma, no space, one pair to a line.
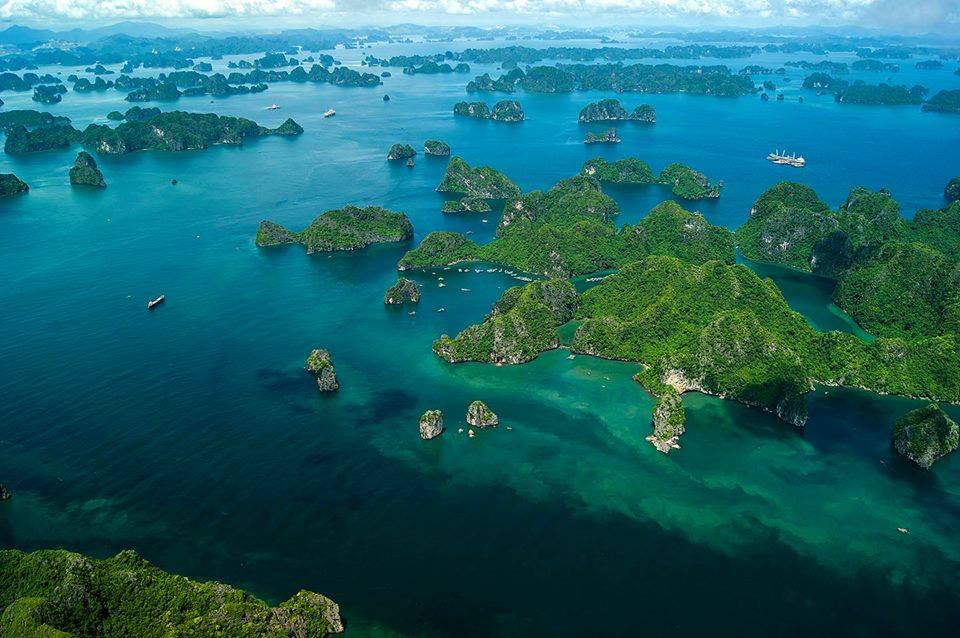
431,424
481,416
85,172
503,111
401,292
925,435
436,147
58,594
401,152
610,110
320,366
668,421
507,111
349,228
608,137
10,184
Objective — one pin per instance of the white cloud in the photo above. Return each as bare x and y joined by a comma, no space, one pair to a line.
816,11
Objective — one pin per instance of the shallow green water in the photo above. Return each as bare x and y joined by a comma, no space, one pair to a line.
193,435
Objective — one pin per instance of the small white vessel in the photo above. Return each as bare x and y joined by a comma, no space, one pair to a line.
156,302
273,107
329,113
789,160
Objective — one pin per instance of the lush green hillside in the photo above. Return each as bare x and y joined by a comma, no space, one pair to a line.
569,230
58,594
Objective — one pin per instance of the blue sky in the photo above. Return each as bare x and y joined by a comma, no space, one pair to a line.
900,15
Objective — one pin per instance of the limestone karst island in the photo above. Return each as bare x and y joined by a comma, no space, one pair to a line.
479,319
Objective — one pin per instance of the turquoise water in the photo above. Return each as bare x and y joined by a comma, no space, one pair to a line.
193,435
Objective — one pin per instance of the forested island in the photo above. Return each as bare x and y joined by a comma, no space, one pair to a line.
610,110
10,184
170,131
684,181
348,228
59,594
481,182
503,111
727,332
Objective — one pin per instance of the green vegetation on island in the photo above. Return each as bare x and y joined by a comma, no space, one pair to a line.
477,182
401,152
59,594
607,137
49,93
466,205
896,278
431,424
42,138
925,434
29,119
951,191
321,367
683,181
503,111
569,231
10,184
610,110
85,172
944,102
479,415
630,78
401,292
436,147
521,325
349,228
178,131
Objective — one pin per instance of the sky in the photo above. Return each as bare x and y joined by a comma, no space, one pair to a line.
895,15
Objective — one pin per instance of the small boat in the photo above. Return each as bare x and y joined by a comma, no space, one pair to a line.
156,302
469,232
329,113
484,221
440,309
412,312
464,290
903,530
273,107
441,285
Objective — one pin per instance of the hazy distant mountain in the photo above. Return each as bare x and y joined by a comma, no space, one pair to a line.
19,35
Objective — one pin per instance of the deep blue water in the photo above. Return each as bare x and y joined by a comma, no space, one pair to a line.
193,435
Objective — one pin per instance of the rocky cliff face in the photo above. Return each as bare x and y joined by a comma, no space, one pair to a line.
481,416
668,421
431,424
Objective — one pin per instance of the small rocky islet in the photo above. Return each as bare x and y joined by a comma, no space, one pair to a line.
85,172
402,292
436,148
321,367
925,435
607,137
10,184
400,152
479,415
431,424
503,111
610,110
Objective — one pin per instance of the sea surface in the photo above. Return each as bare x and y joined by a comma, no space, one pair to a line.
193,435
